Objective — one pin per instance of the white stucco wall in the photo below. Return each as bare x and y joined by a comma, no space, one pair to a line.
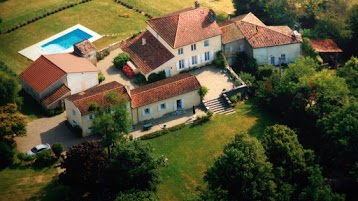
78,82
73,114
189,99
263,55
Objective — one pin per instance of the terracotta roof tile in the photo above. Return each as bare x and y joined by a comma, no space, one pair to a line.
231,33
326,45
85,46
257,33
41,74
70,63
164,89
185,27
149,56
59,93
96,94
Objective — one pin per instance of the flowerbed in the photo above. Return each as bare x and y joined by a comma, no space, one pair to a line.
128,71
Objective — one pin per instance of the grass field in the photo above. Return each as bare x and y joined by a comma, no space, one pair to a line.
193,148
22,182
100,16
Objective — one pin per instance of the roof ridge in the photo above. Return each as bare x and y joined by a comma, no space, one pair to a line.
54,64
269,27
176,32
152,88
97,93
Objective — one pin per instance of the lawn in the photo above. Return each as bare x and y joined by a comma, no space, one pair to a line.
23,182
193,148
100,16
157,7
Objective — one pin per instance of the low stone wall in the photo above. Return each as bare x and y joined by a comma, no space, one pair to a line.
237,89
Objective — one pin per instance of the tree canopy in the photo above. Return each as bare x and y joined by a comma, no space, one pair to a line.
12,123
9,89
242,172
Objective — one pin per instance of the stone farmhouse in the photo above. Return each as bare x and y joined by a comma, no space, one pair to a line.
51,78
179,92
267,44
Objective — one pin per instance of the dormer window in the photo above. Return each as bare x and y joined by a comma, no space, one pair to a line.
180,51
193,47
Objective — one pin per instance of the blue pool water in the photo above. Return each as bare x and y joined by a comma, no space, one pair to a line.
65,42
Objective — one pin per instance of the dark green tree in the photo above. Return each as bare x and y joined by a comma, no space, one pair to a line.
353,24
9,89
242,172
84,165
7,154
112,121
133,166
317,190
350,73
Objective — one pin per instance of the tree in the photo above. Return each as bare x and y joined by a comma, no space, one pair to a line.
57,149
203,91
317,190
133,166
84,166
290,160
340,139
9,89
121,59
353,24
249,80
12,123
6,153
242,172
112,121
350,73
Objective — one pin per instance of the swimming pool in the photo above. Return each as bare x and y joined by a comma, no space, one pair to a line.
65,42
61,42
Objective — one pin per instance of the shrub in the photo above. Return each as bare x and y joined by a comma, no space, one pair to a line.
235,98
128,71
21,156
249,81
44,158
29,158
57,149
203,91
6,154
121,59
246,64
220,60
162,132
140,80
204,118
101,77
156,76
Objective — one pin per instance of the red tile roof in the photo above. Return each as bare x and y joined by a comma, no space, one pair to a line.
164,89
41,74
326,45
185,27
231,33
258,34
96,94
85,46
70,63
59,93
149,56
47,69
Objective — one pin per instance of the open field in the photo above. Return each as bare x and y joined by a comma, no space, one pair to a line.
100,16
193,148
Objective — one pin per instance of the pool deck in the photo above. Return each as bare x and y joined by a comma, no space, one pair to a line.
35,51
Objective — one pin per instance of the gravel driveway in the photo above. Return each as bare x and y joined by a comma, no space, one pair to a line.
49,130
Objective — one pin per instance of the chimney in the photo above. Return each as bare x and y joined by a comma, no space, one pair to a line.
197,4
144,41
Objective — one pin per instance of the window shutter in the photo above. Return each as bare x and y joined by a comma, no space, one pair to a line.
211,55
190,61
143,112
166,105
150,110
175,105
159,109
177,65
203,58
198,59
185,63
182,103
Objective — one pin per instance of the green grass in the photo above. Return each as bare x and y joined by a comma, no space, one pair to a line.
100,16
23,182
191,150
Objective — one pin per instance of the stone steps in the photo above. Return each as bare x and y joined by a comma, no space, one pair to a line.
219,106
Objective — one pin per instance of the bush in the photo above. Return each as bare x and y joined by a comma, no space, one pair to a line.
21,156
101,77
203,91
140,80
6,154
235,98
264,72
246,64
220,60
204,118
121,59
249,81
57,149
162,132
44,158
156,76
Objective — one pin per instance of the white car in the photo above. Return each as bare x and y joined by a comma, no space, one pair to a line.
38,149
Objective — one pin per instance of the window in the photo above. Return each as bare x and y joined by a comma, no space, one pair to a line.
241,48
180,51
206,43
74,112
147,111
194,60
181,64
193,47
273,60
90,117
162,106
207,56
283,57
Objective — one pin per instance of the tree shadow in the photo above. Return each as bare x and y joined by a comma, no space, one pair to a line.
55,191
